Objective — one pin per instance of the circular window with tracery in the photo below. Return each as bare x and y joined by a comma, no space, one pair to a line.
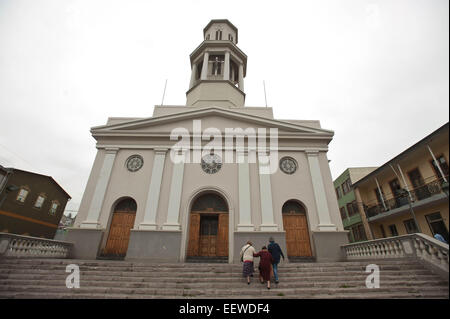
134,163
211,163
288,165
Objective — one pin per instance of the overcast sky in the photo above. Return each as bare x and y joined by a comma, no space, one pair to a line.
374,72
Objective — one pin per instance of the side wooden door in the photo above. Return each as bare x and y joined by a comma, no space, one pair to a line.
119,233
297,235
194,235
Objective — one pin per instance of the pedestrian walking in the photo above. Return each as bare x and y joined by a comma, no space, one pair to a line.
265,265
247,253
276,252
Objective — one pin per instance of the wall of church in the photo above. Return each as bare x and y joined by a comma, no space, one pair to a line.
332,202
124,183
90,187
296,186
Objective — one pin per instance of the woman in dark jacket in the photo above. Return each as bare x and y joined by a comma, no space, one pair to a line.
265,265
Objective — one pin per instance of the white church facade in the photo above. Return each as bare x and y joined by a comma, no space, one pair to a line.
243,175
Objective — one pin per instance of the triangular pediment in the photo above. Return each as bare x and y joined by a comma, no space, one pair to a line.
211,117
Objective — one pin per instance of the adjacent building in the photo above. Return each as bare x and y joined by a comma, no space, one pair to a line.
351,219
217,190
30,204
66,222
409,193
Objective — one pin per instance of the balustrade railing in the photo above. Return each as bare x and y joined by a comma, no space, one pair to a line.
413,245
12,245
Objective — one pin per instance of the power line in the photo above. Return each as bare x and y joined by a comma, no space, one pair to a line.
22,159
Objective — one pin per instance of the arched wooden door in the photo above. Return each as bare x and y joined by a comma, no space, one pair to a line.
208,227
296,227
121,224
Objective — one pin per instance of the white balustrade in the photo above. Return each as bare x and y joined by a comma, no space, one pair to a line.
25,246
413,245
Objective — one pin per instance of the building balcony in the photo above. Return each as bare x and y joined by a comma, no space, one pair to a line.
422,196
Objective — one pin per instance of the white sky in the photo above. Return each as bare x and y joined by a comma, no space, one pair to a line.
374,72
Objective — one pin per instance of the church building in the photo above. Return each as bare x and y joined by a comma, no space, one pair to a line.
199,180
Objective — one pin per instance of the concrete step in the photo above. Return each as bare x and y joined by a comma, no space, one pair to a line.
214,274
210,292
377,295
239,278
213,260
213,284
102,263
203,268
45,278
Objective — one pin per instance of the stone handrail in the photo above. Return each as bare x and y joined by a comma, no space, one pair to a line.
416,245
12,245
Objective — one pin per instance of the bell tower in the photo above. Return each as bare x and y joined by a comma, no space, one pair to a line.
218,68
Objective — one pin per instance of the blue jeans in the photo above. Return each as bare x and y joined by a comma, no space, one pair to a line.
275,271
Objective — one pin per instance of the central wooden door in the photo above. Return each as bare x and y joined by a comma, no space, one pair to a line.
296,227
208,227
119,233
208,235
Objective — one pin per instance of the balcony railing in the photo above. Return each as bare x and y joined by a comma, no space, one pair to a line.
417,194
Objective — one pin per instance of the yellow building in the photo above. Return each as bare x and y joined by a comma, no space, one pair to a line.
409,193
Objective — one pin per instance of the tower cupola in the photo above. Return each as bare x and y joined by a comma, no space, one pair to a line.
218,68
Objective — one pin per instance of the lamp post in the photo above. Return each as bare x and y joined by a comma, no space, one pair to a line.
404,193
8,189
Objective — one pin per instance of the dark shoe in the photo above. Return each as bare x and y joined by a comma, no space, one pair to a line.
277,282
268,288
248,283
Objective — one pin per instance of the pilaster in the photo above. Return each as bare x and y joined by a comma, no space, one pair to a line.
265,188
96,204
151,206
323,211
245,217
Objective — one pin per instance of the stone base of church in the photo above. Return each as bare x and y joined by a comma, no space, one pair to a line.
156,246
327,245
259,239
86,242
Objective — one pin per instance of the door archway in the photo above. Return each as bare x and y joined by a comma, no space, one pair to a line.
296,226
208,227
119,231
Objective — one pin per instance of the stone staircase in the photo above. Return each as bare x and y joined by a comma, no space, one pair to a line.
45,278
